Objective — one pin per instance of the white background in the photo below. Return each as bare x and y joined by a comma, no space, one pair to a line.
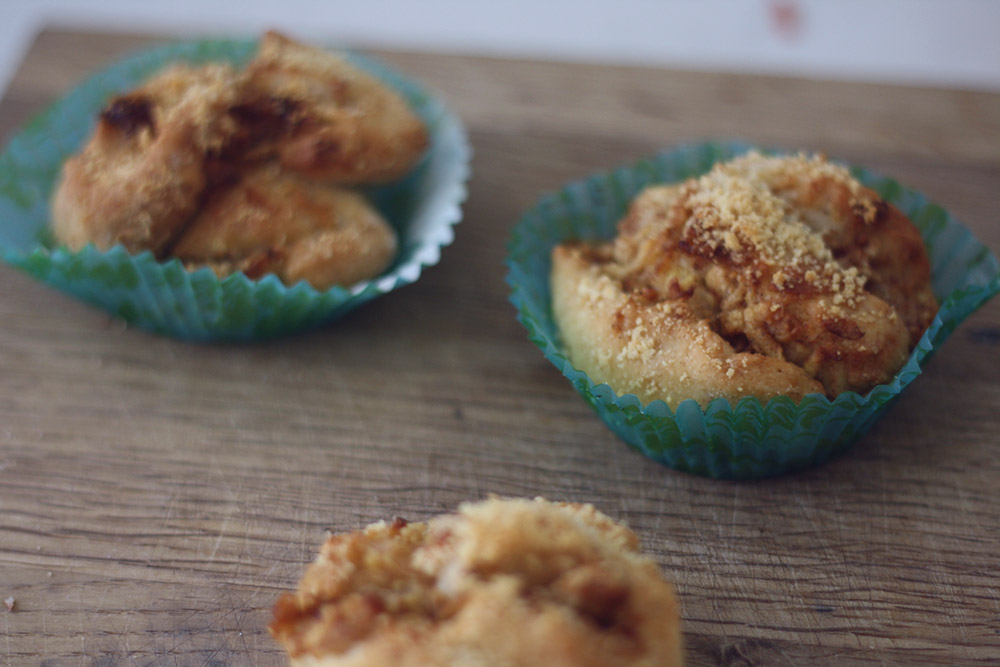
954,43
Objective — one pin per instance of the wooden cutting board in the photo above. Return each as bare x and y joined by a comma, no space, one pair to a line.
156,496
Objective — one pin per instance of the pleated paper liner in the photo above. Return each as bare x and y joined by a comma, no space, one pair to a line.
164,297
746,440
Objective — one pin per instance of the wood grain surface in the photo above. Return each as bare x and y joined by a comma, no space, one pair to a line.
156,496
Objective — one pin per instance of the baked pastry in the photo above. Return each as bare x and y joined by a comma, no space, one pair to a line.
768,276
274,221
503,583
244,170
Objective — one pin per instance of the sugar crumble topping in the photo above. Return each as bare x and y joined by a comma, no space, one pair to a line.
736,209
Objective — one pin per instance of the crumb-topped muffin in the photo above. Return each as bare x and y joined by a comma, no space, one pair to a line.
502,583
767,276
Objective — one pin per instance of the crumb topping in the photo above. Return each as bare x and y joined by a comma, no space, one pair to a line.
736,210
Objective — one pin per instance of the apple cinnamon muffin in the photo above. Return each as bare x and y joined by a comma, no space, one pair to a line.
767,276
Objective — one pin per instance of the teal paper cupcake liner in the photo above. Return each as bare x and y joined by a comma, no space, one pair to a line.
163,296
746,440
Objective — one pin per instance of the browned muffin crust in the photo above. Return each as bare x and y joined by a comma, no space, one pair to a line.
503,583
273,221
767,276
141,176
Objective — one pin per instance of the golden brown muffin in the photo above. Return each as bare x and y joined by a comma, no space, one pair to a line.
502,583
272,221
767,276
339,124
236,170
141,176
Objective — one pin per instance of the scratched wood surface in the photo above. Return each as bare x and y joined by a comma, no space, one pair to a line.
156,496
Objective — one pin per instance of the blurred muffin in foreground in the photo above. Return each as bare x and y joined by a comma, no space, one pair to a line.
502,583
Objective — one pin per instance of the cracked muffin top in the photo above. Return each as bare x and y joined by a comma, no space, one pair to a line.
179,165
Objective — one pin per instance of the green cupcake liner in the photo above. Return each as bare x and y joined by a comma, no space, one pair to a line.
196,305
746,440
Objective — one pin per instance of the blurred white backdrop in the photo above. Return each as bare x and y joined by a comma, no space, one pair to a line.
952,43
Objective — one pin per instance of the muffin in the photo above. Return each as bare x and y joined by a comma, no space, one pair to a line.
730,432
768,276
226,129
243,170
502,583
